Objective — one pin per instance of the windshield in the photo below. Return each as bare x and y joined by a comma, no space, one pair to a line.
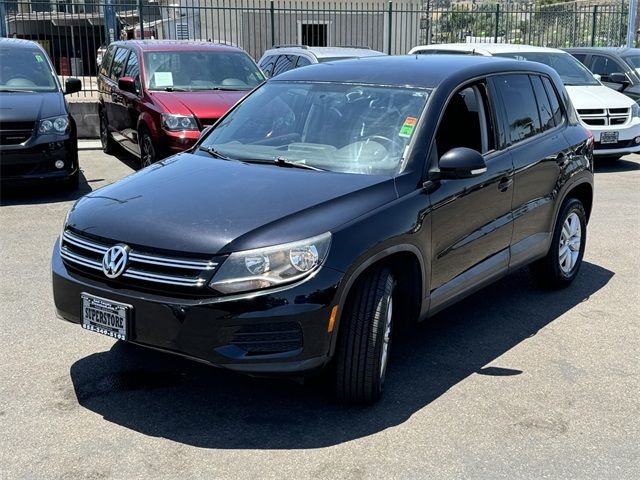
571,71
200,70
338,127
25,70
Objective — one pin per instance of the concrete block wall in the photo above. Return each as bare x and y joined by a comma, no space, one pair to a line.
86,116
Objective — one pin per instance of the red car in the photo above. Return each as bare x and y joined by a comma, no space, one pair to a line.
157,96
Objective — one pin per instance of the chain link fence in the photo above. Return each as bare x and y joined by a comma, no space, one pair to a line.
74,31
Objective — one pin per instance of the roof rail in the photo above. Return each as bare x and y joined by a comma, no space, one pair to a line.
290,45
365,47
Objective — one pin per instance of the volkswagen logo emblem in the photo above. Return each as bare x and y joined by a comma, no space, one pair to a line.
115,261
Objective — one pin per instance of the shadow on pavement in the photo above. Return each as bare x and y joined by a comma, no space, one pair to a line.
165,396
39,193
615,166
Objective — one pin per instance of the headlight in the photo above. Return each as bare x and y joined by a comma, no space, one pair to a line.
635,110
178,122
271,266
58,125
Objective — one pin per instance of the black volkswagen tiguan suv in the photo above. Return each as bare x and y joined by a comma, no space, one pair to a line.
38,138
332,204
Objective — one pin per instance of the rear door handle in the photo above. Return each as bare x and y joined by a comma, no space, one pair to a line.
505,183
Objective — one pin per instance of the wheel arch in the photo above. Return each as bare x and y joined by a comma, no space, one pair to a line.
407,264
582,191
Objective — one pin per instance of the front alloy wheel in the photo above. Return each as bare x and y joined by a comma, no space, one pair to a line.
147,151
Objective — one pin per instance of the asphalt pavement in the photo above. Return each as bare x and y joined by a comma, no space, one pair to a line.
513,382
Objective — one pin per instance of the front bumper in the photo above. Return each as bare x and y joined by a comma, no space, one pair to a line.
239,334
35,159
626,138
176,142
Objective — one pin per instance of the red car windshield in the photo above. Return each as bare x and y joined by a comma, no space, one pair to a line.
200,70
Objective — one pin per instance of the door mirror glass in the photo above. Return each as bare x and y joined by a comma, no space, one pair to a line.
462,162
127,84
72,85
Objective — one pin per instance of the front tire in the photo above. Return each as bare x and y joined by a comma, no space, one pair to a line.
108,144
365,338
562,263
147,150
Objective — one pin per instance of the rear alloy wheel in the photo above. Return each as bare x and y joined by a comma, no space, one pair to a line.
108,144
562,263
365,339
147,150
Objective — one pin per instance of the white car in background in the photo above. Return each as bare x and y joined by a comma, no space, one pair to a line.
613,118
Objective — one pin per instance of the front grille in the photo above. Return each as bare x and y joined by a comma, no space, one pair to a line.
15,133
143,267
270,338
602,118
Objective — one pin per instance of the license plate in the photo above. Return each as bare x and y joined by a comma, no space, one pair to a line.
609,137
105,316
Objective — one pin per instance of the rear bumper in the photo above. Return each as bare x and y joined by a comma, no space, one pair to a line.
270,334
35,161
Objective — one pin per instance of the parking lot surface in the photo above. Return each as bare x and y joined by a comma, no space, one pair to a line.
513,382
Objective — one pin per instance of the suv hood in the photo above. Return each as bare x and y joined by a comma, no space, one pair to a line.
206,105
27,107
196,204
597,96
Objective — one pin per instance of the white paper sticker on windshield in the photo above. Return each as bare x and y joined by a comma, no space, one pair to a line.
163,79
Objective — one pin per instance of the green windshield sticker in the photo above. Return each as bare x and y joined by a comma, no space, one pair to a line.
407,127
39,58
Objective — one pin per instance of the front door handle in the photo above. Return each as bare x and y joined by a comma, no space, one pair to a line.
505,183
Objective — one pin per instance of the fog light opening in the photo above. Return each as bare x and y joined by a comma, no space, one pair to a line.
637,140
59,164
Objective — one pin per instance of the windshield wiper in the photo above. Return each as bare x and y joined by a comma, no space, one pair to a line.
215,153
175,89
284,162
15,90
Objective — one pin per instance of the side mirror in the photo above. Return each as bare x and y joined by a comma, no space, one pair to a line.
127,84
619,77
72,85
461,162
597,76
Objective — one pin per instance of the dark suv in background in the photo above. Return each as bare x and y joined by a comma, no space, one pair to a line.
156,96
619,68
38,138
330,205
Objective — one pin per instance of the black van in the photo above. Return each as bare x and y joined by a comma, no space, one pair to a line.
38,138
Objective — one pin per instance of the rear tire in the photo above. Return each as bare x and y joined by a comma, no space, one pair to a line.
562,263
365,338
108,144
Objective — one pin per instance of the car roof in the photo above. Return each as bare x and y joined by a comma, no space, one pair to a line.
175,45
19,43
622,51
326,52
486,48
419,71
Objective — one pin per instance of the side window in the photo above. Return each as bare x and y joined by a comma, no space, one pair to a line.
544,106
581,57
284,63
106,61
133,69
605,66
267,64
520,107
553,100
119,60
303,62
468,107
